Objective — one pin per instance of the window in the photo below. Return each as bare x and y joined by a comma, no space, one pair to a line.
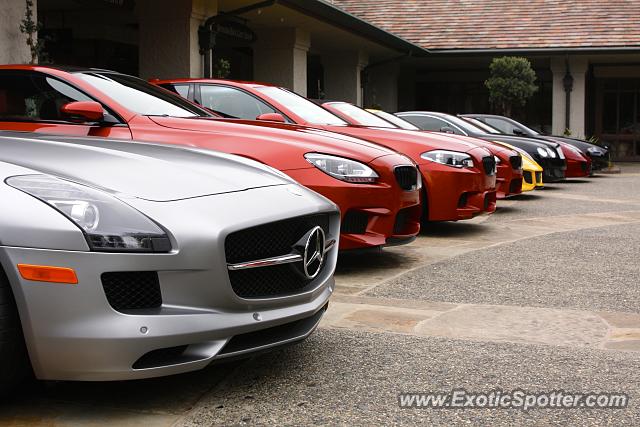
182,90
307,110
401,123
141,97
621,107
233,103
35,97
502,125
430,123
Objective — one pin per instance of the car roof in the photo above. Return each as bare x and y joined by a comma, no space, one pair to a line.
64,68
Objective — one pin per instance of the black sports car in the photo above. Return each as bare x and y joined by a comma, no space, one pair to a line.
599,155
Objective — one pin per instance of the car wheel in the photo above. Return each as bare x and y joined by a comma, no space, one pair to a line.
14,364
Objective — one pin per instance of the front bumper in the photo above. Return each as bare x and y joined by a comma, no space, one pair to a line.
553,169
508,180
578,168
73,332
599,162
372,215
456,194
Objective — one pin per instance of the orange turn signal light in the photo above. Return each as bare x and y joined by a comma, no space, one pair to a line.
43,273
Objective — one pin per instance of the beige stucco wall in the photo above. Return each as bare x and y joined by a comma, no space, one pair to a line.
13,44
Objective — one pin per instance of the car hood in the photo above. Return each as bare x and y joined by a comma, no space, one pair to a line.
495,147
152,172
280,138
582,145
523,142
410,142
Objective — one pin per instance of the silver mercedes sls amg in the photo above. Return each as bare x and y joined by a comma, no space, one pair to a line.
123,261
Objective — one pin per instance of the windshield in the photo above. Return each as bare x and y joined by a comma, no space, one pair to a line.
361,117
310,112
526,128
485,127
464,125
141,97
397,121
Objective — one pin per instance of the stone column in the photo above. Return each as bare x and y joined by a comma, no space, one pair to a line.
577,68
13,44
343,76
169,36
280,57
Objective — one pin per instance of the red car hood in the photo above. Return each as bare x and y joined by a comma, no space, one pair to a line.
491,146
280,146
411,143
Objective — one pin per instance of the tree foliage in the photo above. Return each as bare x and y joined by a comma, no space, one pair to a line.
512,82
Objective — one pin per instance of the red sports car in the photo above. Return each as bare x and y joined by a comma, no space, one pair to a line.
578,165
377,189
509,162
459,177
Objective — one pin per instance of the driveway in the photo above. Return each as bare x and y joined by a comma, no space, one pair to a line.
543,295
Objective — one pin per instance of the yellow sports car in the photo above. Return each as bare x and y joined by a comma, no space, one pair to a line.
531,170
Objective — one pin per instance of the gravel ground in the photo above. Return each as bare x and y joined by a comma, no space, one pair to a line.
536,205
593,269
343,377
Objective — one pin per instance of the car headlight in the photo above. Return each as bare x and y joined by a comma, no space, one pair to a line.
543,152
552,153
108,223
342,169
449,158
595,151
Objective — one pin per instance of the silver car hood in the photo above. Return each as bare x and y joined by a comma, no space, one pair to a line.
152,172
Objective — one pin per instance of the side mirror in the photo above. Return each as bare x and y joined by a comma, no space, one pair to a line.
86,111
271,117
446,129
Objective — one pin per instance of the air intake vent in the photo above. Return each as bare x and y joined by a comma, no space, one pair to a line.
269,240
489,164
354,222
265,241
516,162
132,290
407,177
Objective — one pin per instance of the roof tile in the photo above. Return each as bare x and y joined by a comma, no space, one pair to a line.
504,24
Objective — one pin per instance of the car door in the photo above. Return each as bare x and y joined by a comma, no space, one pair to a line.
31,101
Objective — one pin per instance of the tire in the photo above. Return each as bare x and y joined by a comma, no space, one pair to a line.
14,359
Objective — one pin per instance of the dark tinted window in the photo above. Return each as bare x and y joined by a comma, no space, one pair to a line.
34,96
430,123
231,102
502,125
